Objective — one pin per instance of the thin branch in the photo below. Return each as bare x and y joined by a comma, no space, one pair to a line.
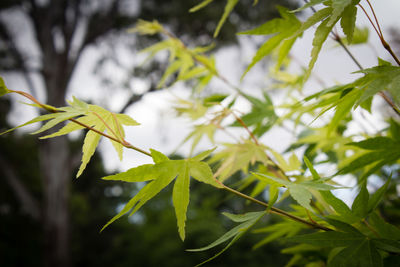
371,229
106,124
376,19
276,210
379,32
246,128
54,110
390,102
372,23
340,42
337,38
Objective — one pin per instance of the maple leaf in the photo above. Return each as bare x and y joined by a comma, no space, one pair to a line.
3,88
162,173
237,157
247,221
87,115
282,30
300,191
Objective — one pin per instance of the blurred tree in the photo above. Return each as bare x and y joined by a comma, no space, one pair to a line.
43,41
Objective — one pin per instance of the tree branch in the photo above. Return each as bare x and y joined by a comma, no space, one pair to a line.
20,64
28,202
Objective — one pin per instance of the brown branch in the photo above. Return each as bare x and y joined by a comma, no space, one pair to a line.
379,32
337,38
276,210
246,128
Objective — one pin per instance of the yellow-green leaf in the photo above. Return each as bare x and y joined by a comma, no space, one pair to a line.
200,6
228,9
180,198
3,88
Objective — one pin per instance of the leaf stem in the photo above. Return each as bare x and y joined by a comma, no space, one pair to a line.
376,20
340,42
379,32
370,228
106,124
276,210
238,119
337,38
55,110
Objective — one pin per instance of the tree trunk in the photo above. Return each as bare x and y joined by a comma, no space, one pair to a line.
56,168
54,156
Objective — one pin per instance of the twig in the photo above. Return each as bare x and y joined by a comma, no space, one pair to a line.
379,32
276,210
336,37
246,128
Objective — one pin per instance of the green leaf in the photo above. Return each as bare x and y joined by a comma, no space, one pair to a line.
376,79
301,195
387,245
157,156
200,6
180,198
237,157
276,231
321,34
138,174
146,27
360,204
203,155
165,172
348,21
315,18
3,88
228,9
87,116
377,196
299,191
384,229
376,143
241,217
89,146
37,119
338,8
342,226
248,220
394,130
58,118
363,253
283,28
360,36
198,133
261,117
160,174
309,4
311,168
201,171
213,99
383,150
328,239
339,206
